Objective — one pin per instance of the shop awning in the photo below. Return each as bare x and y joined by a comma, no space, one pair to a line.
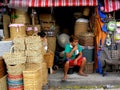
111,5
51,3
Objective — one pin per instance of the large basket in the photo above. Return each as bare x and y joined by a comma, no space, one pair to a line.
81,26
51,43
32,77
86,39
45,74
33,53
49,58
19,40
17,30
19,46
3,83
15,69
12,58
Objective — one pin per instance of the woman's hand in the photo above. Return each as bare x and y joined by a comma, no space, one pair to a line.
75,62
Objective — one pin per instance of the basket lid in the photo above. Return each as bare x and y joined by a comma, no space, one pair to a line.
87,34
82,20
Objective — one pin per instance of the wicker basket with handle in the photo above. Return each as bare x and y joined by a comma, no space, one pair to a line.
15,69
14,58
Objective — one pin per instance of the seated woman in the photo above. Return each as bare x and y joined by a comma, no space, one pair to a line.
73,57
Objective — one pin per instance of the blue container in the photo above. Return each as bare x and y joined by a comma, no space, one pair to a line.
88,52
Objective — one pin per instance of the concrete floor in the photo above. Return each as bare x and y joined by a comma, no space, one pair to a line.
94,81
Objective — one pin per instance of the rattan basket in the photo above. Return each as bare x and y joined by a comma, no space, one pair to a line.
34,46
89,67
3,83
19,40
33,39
86,39
33,53
44,74
14,58
15,69
37,59
17,30
49,58
32,77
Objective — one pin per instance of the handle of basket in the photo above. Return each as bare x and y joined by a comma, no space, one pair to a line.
34,34
11,49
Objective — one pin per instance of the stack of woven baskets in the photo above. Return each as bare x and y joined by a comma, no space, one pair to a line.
15,62
87,42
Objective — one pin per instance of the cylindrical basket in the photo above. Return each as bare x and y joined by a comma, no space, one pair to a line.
45,74
17,30
32,77
86,39
49,58
81,26
51,43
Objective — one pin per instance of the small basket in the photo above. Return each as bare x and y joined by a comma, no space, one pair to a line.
89,67
15,69
37,59
33,39
19,46
49,58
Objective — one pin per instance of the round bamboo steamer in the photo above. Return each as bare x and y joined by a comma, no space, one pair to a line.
81,26
17,30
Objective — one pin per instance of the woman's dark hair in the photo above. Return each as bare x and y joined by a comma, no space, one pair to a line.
42,34
72,38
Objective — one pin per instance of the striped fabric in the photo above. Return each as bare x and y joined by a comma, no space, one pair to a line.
111,5
51,3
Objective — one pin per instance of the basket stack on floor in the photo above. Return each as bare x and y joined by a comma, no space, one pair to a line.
15,62
25,64
87,42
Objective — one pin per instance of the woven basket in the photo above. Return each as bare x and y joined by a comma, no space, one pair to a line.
81,26
49,58
19,40
44,74
34,46
14,58
89,67
37,59
19,46
86,11
51,43
33,39
17,30
15,69
32,77
33,53
3,83
86,39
